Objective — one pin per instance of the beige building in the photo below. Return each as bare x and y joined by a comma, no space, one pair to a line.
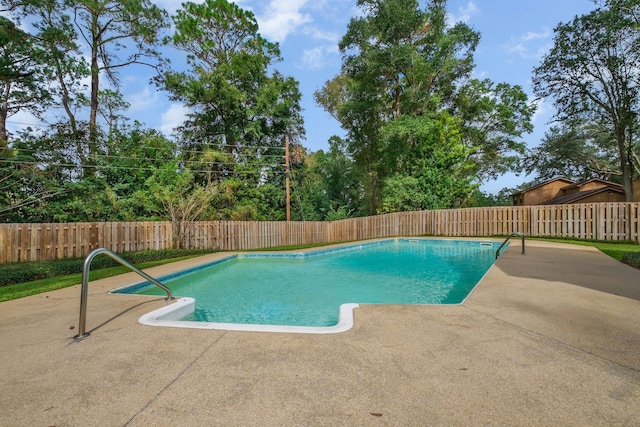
560,191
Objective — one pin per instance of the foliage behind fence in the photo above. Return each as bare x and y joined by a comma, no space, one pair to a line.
599,221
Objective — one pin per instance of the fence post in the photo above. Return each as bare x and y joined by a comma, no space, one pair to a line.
600,221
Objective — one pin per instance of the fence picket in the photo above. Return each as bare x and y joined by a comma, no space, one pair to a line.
602,221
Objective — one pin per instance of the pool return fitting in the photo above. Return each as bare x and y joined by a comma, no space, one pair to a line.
507,239
84,294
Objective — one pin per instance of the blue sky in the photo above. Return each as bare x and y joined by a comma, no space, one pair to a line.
515,34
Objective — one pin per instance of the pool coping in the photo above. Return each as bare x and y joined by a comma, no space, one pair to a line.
169,316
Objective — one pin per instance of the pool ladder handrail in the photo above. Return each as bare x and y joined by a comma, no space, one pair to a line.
84,293
517,234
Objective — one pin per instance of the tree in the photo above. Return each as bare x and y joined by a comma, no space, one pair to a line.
578,151
45,182
133,155
110,107
112,26
355,108
177,197
630,9
117,34
25,189
22,82
481,199
241,109
339,177
429,163
237,106
591,73
407,65
494,117
397,60
327,185
65,65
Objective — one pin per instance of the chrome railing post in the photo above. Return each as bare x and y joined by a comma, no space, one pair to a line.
84,296
84,292
517,234
522,236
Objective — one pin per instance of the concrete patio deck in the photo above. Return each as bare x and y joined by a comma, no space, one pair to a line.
548,338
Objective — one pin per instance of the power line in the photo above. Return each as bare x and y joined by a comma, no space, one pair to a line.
206,144
26,124
72,165
175,153
265,147
111,156
180,161
213,147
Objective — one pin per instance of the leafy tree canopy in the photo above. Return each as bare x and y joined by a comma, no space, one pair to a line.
405,64
592,75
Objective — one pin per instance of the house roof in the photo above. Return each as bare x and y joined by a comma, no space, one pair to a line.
601,181
567,180
572,198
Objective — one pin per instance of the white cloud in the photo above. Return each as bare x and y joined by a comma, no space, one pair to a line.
545,34
173,117
318,34
281,18
333,12
21,24
480,75
170,5
325,5
312,58
277,19
522,45
141,101
22,120
543,110
518,48
317,57
465,13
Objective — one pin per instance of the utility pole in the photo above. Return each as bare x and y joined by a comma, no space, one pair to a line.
287,169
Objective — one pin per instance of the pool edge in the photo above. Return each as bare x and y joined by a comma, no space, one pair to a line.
169,316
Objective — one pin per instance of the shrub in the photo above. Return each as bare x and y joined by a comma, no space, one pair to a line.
20,272
632,258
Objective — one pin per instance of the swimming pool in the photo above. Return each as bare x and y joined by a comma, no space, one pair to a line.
316,291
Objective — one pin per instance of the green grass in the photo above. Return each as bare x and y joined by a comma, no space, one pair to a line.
613,249
20,290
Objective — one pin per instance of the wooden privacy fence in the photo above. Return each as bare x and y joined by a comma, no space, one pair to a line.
38,242
600,221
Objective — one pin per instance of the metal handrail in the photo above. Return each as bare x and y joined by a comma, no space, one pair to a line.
507,239
84,294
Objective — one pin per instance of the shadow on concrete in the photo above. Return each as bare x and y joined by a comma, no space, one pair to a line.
588,268
111,319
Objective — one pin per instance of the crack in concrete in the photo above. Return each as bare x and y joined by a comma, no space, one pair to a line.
166,387
554,340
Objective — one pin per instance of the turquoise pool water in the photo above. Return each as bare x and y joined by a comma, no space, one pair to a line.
308,289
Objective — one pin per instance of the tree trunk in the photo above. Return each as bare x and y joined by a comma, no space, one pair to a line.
95,82
4,136
625,164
